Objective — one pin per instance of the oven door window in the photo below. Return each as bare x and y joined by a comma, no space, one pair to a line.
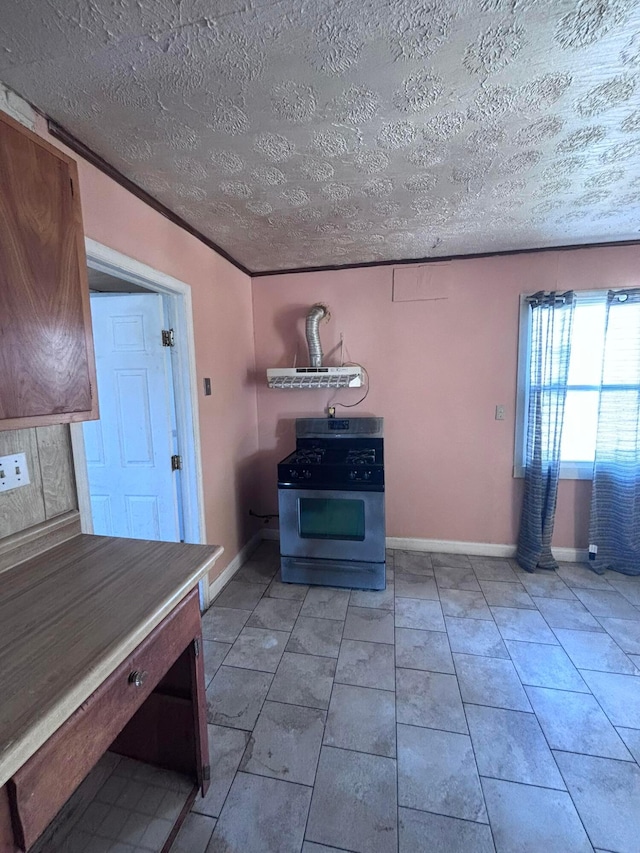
331,518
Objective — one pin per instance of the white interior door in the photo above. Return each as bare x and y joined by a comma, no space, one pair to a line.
134,492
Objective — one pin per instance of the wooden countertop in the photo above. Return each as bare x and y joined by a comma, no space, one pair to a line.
70,616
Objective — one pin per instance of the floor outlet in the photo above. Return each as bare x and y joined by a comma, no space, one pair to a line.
13,472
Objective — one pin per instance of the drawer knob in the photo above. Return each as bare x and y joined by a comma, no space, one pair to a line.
137,678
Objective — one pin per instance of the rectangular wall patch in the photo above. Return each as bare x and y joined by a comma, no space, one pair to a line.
420,283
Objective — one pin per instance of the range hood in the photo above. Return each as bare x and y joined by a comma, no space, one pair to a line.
315,376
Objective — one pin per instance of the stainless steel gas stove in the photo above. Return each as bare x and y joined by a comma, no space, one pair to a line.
331,503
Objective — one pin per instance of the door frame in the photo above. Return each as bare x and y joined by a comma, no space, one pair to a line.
178,298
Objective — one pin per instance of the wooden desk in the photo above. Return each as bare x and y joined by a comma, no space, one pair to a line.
99,647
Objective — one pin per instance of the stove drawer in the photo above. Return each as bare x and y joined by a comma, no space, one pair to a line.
345,573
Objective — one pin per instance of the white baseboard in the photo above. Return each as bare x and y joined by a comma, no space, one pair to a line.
445,546
571,555
238,561
270,533
478,549
475,549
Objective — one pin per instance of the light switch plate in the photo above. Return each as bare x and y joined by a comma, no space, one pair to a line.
13,472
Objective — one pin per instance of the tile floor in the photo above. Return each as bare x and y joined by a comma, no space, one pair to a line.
123,806
468,708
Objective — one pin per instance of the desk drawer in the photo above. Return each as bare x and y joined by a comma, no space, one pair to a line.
48,779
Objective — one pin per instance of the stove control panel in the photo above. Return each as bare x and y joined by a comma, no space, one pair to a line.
360,474
299,474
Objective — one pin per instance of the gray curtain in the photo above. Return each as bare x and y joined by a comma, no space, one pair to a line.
550,347
614,527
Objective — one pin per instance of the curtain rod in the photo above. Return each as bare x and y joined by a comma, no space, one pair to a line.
627,294
550,297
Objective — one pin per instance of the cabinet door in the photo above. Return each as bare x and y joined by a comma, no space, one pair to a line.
47,371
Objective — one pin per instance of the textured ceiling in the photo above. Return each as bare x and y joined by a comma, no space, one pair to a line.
297,133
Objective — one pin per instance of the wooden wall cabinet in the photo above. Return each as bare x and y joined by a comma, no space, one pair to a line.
47,367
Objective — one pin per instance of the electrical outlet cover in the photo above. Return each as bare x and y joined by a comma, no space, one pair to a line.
13,472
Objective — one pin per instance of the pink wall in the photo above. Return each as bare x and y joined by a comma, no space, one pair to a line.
223,328
437,369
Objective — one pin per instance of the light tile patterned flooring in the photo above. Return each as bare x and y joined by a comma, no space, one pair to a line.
469,708
123,806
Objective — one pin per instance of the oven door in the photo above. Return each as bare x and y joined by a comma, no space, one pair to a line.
332,524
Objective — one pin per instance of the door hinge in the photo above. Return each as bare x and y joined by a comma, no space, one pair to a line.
206,772
168,338
176,463
196,646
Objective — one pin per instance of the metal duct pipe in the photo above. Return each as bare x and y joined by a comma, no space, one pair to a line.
316,313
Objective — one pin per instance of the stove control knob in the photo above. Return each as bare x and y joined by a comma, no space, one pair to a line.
367,475
352,475
306,474
293,474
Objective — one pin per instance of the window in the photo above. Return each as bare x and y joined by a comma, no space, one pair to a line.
577,449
